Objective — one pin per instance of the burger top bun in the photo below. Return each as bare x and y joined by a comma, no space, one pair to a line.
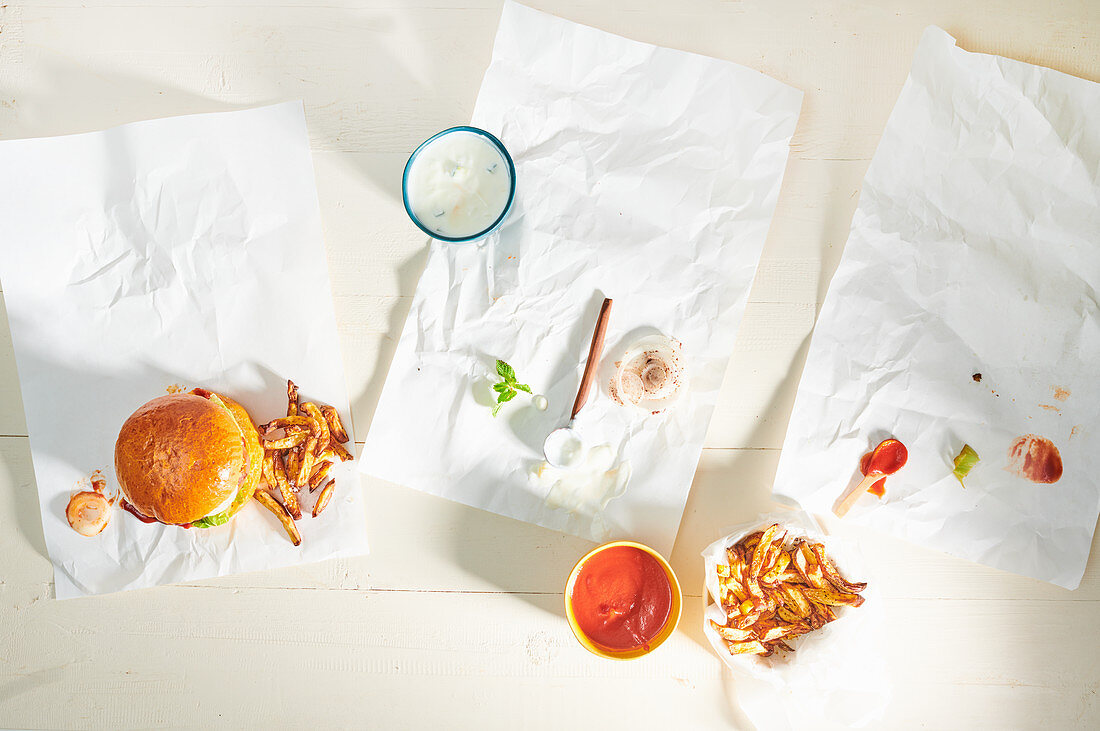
180,457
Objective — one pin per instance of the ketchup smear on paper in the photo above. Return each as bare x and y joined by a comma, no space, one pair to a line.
621,598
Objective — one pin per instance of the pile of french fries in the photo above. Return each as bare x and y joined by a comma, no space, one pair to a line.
773,591
313,440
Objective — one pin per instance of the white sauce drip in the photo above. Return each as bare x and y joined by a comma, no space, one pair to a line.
458,185
586,488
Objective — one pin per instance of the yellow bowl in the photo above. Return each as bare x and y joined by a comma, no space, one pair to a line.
673,611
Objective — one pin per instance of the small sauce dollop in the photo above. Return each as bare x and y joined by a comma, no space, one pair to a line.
621,598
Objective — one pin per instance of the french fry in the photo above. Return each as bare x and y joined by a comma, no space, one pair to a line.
787,615
750,541
293,458
286,421
753,647
287,442
779,565
732,634
338,449
268,470
306,461
335,425
320,471
290,500
797,601
831,573
788,577
777,633
832,598
747,621
291,398
763,547
806,564
263,498
320,427
733,586
324,497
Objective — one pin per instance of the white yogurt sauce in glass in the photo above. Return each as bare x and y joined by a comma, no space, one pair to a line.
458,185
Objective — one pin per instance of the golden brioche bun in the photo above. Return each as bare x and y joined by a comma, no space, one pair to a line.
179,457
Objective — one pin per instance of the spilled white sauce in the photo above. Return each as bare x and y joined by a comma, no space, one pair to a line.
587,487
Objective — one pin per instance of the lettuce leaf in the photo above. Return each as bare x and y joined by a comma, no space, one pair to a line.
965,462
212,521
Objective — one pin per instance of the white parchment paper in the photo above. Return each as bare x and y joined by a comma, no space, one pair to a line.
836,673
182,251
975,250
643,174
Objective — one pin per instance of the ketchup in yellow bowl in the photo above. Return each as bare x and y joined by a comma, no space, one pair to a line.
623,599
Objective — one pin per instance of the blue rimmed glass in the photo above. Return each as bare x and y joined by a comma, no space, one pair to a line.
511,190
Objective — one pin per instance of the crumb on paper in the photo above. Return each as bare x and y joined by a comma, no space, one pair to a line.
1073,432
176,388
977,377
1060,394
1050,407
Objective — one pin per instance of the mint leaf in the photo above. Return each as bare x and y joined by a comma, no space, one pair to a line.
506,371
506,396
501,387
522,387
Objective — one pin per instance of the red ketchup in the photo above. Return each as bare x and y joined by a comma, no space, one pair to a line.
621,598
145,518
886,459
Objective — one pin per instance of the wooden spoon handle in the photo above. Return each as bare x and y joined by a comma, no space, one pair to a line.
593,362
845,503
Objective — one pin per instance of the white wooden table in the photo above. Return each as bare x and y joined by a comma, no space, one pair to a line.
455,620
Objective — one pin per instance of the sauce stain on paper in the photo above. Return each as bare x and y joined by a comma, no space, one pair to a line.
1035,458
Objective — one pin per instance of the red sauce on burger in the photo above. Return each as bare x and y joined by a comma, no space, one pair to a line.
143,517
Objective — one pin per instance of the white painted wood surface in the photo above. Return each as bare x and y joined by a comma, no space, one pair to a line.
455,619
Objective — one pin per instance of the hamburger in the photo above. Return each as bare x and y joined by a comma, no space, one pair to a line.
188,459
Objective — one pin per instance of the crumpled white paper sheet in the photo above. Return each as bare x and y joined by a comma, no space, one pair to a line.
177,251
975,249
836,673
643,174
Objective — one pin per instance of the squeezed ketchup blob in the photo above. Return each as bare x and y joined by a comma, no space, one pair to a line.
621,598
885,459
